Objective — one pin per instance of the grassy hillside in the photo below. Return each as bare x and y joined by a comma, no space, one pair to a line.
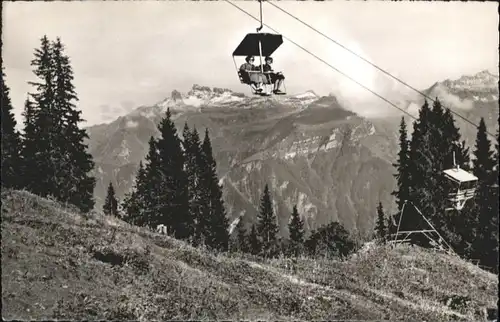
58,264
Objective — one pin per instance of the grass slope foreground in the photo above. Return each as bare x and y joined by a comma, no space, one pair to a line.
59,264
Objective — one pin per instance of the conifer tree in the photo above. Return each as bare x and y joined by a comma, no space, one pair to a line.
192,166
486,199
110,204
173,187
41,111
151,191
434,139
391,226
11,142
242,239
213,212
296,229
380,227
402,175
419,165
402,167
133,203
331,240
75,164
254,241
29,149
267,227
53,139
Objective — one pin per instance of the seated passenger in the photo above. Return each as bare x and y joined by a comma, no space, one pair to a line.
253,73
273,78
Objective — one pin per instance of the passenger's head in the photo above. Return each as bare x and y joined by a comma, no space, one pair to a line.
249,59
269,60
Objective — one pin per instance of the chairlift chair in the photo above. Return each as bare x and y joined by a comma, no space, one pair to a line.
258,45
462,186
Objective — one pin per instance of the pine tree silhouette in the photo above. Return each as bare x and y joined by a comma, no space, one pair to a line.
254,241
434,139
331,241
485,237
243,244
11,142
110,204
152,193
402,172
296,229
29,149
134,203
75,184
213,212
41,112
419,164
380,227
52,135
173,187
192,166
267,227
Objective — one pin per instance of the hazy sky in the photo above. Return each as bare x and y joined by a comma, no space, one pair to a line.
126,54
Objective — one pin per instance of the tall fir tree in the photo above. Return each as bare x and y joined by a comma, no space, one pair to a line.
213,212
267,227
111,203
174,184
29,150
11,142
153,196
380,225
254,241
402,175
296,229
193,167
242,238
402,167
75,163
41,110
133,203
485,236
434,139
419,165
52,134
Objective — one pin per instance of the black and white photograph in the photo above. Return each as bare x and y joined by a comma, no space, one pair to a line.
250,160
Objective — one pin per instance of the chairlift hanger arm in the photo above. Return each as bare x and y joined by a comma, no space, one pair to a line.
261,24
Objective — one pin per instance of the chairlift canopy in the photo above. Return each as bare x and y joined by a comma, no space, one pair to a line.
460,175
249,46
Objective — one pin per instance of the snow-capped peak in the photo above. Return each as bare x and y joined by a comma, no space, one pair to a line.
307,95
479,81
200,96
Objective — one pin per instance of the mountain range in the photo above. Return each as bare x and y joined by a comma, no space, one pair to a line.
313,152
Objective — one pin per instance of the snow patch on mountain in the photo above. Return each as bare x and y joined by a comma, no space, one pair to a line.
306,98
480,81
124,151
331,143
131,124
305,207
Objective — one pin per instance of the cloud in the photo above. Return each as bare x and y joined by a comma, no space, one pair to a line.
450,100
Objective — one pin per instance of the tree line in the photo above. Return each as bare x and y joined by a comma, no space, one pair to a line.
473,231
178,187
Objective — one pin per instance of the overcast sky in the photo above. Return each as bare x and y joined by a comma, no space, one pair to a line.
126,54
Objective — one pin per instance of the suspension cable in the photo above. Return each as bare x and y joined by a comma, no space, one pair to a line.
378,68
326,63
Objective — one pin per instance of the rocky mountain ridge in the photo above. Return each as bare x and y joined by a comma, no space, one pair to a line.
332,163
